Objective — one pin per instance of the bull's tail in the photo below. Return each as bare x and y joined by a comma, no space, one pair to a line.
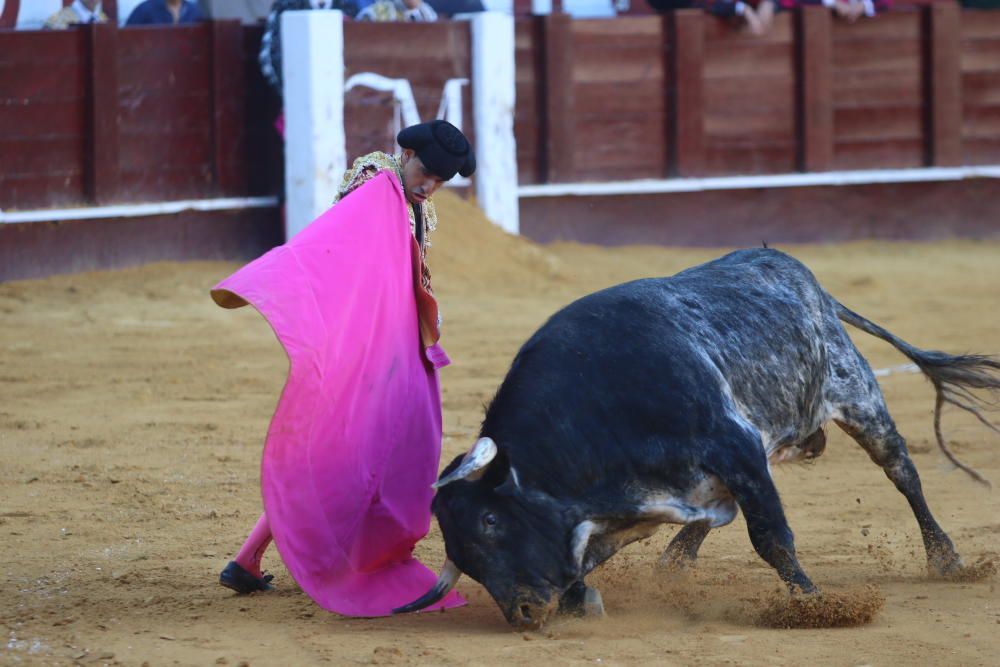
956,378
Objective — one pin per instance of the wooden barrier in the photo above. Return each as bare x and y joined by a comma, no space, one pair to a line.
979,69
689,95
98,115
94,114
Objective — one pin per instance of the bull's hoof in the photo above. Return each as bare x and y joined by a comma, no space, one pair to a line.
675,561
581,600
945,563
593,604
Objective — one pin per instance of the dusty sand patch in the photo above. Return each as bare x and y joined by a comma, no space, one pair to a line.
133,410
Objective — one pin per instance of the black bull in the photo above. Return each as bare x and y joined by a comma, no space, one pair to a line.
666,401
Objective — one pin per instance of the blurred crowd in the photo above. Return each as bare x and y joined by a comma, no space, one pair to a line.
756,16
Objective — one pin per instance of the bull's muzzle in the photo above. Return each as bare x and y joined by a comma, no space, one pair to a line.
446,581
529,613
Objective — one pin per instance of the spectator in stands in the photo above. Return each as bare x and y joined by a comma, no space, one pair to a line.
81,11
398,11
170,12
757,15
270,45
848,10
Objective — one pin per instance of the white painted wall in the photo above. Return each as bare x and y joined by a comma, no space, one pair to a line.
493,108
312,57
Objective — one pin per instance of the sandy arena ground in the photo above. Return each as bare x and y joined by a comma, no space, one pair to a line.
133,411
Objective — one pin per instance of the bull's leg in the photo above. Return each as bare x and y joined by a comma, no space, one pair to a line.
581,600
683,549
876,433
744,471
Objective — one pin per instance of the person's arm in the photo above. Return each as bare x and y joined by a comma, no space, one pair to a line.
270,49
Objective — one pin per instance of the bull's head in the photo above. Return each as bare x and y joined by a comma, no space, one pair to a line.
519,544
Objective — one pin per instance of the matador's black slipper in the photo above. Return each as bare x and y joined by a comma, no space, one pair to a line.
237,578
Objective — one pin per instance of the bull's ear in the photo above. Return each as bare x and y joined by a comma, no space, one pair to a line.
473,465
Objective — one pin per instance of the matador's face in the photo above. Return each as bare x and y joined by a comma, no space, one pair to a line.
418,182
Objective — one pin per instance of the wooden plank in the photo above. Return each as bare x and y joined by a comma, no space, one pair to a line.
881,123
172,147
165,44
166,183
874,89
21,84
981,123
620,97
688,42
154,111
815,90
982,151
41,119
879,154
881,55
228,121
750,125
23,155
560,134
765,94
765,159
944,135
641,62
748,60
52,188
180,77
980,24
981,88
41,48
101,160
981,55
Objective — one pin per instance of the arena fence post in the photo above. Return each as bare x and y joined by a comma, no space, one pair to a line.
687,36
943,39
557,88
228,104
814,88
312,60
493,92
101,157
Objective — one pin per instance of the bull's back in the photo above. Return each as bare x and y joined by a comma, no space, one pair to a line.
614,375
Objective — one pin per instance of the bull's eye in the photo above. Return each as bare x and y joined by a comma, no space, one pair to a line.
490,519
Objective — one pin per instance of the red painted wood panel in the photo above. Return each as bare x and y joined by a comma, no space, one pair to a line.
527,113
54,187
878,77
619,101
979,63
42,118
749,100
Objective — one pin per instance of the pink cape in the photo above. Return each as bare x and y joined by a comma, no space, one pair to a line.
354,444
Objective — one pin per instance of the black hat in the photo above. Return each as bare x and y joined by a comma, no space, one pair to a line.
442,148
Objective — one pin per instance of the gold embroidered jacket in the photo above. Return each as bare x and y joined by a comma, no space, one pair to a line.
367,167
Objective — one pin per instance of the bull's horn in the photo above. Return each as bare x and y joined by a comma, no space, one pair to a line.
449,577
473,463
